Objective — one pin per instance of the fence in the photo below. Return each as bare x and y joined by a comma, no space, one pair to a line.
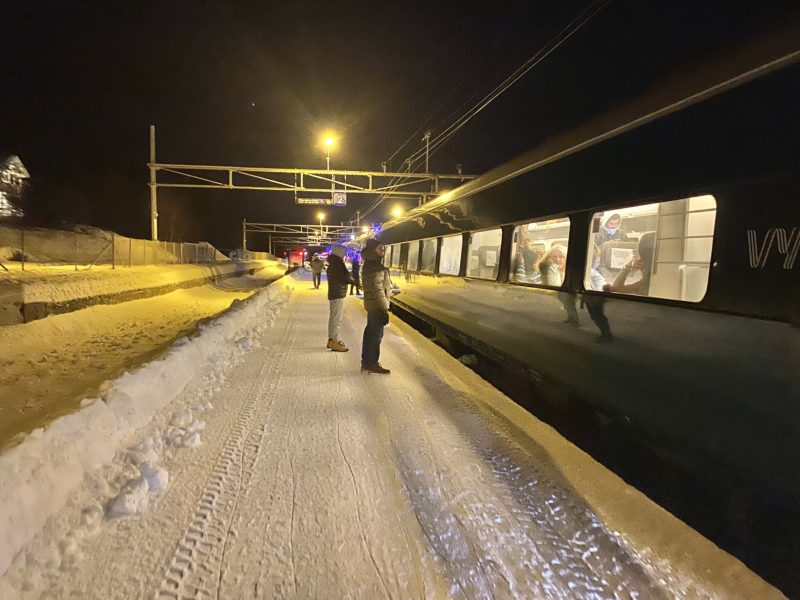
91,247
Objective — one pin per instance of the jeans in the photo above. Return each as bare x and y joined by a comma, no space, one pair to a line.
567,300
316,277
373,334
335,318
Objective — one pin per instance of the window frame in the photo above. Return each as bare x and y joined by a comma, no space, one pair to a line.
408,254
460,255
469,244
543,286
435,241
590,213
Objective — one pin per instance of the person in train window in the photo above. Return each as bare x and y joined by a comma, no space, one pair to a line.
531,258
643,263
377,291
552,264
611,232
552,268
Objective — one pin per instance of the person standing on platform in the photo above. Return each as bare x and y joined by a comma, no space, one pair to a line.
377,290
338,278
356,272
317,265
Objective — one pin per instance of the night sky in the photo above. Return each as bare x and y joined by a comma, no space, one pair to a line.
253,83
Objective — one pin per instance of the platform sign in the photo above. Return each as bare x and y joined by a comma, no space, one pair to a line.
338,199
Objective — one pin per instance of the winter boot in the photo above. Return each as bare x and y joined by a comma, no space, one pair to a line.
338,346
376,368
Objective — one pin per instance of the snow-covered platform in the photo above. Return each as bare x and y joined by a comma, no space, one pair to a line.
271,467
44,290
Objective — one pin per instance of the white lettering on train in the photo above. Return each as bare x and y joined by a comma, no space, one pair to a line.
788,245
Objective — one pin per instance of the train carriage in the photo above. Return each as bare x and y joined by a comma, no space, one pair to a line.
682,322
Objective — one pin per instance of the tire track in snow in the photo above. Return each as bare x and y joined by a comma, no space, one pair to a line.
196,569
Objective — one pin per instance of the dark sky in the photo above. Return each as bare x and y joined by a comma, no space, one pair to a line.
252,83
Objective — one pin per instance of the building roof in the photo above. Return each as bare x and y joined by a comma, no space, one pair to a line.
14,164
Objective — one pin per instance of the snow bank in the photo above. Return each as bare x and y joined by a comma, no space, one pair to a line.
39,475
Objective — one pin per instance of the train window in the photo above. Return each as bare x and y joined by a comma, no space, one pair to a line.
413,256
428,258
387,256
539,252
484,254
450,257
660,250
394,259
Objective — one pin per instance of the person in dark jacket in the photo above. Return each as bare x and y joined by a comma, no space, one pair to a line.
377,290
338,279
356,272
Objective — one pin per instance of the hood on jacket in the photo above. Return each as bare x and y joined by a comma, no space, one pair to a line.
370,254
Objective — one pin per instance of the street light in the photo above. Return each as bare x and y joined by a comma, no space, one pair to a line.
397,211
321,217
364,229
328,142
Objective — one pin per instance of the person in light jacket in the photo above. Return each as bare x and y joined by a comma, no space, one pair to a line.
338,280
377,290
317,264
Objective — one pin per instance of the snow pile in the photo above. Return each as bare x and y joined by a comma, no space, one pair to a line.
40,474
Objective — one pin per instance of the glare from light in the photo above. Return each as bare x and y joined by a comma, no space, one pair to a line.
397,211
321,216
352,237
328,140
364,229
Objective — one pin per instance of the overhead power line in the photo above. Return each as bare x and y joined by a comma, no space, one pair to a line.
537,58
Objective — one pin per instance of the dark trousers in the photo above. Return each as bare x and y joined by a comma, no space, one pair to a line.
373,334
596,307
357,288
316,277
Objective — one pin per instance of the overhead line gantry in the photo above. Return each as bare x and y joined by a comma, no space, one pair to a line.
271,179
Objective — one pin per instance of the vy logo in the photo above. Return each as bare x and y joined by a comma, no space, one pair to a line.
786,244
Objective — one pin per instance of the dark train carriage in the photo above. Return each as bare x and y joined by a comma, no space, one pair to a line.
646,265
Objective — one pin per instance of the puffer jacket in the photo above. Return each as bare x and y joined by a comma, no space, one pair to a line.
338,278
375,281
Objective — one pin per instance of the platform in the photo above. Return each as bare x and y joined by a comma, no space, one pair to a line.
315,480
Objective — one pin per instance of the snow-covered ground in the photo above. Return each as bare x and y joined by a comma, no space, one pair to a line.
48,366
251,462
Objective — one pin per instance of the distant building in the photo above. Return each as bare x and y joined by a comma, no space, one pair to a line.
12,181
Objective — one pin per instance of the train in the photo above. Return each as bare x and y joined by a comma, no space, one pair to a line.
644,264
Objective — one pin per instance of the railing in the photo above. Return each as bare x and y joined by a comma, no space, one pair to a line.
28,248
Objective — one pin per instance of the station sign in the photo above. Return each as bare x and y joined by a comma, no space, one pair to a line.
338,199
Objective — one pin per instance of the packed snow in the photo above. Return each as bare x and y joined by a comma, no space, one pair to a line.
249,461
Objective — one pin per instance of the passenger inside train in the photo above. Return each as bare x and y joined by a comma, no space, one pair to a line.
532,252
663,249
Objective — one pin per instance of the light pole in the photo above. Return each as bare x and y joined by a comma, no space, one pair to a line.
329,141
328,145
321,217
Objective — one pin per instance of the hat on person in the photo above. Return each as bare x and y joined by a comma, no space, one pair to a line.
338,251
372,243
